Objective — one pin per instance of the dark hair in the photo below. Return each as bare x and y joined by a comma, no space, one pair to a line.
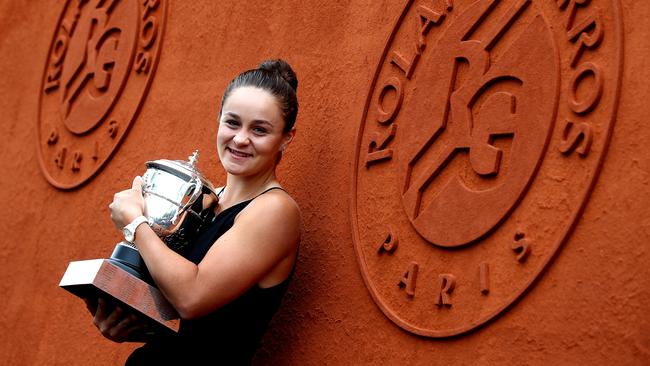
276,77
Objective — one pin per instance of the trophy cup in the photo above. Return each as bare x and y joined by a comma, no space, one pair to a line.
178,201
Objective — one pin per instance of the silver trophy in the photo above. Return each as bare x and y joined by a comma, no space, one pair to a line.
178,203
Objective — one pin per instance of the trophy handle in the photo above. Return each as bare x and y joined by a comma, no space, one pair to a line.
198,188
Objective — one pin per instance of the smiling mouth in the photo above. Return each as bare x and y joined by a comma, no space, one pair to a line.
237,153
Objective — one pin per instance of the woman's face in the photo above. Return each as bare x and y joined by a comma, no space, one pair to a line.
251,132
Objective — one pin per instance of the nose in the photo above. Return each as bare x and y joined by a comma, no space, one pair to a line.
241,138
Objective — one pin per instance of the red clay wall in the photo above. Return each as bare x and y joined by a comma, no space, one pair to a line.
582,295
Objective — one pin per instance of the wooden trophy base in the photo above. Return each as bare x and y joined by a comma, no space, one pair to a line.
101,278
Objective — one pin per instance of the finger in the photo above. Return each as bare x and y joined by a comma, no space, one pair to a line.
134,329
100,312
137,183
100,316
128,326
114,318
119,331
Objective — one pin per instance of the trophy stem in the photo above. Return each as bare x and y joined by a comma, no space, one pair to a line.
127,257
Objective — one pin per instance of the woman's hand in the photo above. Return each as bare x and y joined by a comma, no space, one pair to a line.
127,205
116,326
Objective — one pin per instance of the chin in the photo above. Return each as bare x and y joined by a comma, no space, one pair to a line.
235,169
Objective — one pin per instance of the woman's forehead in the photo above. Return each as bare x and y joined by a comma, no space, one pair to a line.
252,103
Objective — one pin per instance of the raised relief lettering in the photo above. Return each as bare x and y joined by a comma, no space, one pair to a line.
407,66
60,48
76,161
149,6
377,150
90,92
576,137
521,247
571,6
52,81
503,102
446,285
113,128
148,34
95,154
384,116
69,24
426,19
58,53
53,137
147,38
580,34
409,279
484,277
595,92
389,244
59,158
142,62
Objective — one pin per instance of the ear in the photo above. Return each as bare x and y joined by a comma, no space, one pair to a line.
287,138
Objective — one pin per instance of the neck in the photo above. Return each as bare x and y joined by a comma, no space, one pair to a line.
240,188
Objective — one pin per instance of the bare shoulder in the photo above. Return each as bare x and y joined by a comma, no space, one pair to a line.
275,207
272,212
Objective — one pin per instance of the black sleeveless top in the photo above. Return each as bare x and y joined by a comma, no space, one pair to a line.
227,336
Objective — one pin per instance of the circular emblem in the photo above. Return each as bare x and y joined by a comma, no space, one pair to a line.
99,68
483,133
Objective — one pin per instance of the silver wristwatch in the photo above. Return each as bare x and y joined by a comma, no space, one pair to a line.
129,230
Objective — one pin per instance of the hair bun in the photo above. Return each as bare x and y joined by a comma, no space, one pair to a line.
282,69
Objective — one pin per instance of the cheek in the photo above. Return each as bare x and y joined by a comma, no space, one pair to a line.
222,136
270,148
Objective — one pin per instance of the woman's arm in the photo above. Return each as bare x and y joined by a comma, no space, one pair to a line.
264,234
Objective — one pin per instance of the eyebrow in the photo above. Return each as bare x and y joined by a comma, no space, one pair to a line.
259,121
263,122
232,114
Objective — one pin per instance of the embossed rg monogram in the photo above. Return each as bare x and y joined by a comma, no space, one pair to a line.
475,99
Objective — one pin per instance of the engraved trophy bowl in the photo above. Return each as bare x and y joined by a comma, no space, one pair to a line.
178,201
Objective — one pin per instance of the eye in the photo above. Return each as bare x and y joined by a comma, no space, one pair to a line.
231,122
260,131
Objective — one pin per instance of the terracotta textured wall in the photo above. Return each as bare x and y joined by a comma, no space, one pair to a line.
582,296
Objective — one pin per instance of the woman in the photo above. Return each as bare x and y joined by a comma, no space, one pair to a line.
232,281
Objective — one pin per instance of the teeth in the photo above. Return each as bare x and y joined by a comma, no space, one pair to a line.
238,153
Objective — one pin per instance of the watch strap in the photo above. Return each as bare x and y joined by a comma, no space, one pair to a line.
134,225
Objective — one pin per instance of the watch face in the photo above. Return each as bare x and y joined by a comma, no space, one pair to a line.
128,235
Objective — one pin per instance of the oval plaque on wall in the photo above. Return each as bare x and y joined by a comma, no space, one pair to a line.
482,137
99,68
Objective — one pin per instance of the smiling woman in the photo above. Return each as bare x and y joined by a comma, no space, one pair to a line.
232,281
251,131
